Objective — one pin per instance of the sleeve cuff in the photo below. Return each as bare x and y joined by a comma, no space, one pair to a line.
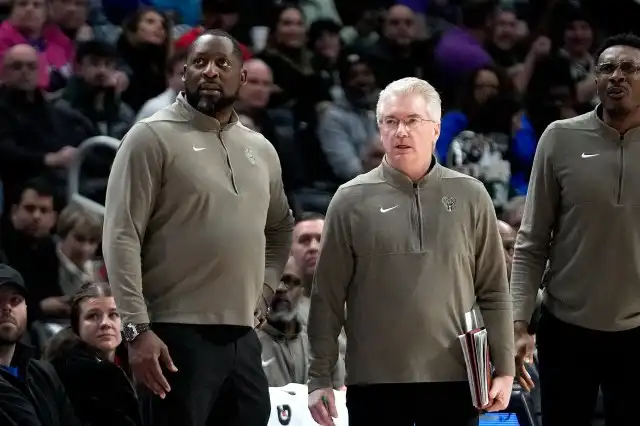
139,318
316,383
505,364
521,315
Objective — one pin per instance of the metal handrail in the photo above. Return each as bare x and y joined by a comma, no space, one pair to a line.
73,189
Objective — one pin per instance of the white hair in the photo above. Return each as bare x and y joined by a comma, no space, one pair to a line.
410,86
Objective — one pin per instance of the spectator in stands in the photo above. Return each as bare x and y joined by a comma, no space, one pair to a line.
79,233
252,101
31,249
398,53
364,32
349,124
218,14
573,43
305,247
174,70
285,346
460,50
71,18
372,155
304,251
145,47
475,109
27,24
513,212
91,92
35,138
325,44
486,149
508,236
289,59
92,362
29,388
505,46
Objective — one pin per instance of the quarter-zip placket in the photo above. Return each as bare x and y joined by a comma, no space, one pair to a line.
620,168
416,195
226,151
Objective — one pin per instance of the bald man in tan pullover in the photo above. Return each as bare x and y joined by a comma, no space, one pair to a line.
195,211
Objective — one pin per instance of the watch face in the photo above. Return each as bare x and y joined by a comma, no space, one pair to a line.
130,332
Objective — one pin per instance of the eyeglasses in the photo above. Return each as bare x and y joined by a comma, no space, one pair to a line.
626,67
411,123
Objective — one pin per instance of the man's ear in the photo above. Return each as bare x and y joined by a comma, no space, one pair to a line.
184,71
243,77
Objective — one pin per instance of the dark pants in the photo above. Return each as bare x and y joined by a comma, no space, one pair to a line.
574,362
409,404
219,382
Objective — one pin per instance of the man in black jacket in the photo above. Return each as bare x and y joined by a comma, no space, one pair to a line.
35,138
27,386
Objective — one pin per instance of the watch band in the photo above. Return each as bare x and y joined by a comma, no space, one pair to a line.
130,331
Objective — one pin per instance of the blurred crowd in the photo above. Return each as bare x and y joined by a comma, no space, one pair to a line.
74,69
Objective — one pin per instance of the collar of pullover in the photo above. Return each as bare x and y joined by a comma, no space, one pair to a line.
398,179
609,132
200,120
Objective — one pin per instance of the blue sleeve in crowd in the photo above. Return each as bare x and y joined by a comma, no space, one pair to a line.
451,125
524,148
189,10
525,142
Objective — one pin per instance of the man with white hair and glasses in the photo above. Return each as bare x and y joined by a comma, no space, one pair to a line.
410,247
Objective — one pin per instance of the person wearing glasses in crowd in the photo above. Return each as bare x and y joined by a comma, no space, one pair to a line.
197,233
409,247
581,217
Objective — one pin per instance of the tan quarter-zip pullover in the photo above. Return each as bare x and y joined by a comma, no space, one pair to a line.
193,213
285,358
582,215
409,260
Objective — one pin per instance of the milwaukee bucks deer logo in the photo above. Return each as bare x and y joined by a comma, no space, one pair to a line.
449,203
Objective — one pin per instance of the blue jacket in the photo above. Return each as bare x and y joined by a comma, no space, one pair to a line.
523,147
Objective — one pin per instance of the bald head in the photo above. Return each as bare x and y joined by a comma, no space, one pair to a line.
400,25
505,228
21,52
257,67
257,91
20,68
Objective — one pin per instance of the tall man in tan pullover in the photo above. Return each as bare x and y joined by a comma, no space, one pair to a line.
410,247
580,240
193,198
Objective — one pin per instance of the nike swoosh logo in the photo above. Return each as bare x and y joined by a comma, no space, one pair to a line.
267,362
198,149
387,210
589,155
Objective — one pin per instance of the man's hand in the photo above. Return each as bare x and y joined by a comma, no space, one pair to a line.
541,47
525,346
85,33
264,305
322,405
62,158
56,307
119,81
500,393
145,354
